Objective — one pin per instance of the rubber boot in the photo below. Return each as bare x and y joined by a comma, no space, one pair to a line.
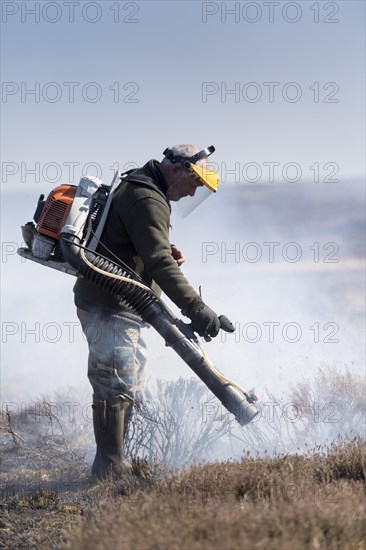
108,421
127,418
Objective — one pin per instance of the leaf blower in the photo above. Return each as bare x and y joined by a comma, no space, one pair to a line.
69,225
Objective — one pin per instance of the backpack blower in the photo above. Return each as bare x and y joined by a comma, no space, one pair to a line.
69,225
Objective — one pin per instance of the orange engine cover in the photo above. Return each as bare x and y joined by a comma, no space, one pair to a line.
56,210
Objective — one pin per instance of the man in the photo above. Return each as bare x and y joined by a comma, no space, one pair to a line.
137,232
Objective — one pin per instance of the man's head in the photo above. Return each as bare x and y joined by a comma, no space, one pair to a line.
181,181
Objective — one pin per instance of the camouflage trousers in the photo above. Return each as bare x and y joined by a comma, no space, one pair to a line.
117,352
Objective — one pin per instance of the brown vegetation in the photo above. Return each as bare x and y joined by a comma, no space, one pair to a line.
312,499
294,501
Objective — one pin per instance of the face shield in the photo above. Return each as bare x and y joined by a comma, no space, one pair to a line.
204,180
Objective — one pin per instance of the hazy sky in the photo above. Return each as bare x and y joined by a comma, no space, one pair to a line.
265,82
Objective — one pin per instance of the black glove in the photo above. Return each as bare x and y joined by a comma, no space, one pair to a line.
204,321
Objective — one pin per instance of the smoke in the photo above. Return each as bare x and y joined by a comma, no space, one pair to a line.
179,423
283,262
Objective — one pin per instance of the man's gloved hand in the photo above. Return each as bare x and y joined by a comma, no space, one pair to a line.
204,320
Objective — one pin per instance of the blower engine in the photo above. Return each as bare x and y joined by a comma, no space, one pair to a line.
69,225
89,201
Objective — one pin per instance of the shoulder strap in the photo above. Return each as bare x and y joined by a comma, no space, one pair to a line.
143,180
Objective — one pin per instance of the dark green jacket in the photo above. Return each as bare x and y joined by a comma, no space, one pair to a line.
137,232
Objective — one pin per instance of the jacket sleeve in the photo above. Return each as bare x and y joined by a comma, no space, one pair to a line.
148,228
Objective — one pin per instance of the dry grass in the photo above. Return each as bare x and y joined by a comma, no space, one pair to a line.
310,500
294,502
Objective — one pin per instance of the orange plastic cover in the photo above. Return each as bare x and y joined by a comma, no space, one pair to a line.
56,210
